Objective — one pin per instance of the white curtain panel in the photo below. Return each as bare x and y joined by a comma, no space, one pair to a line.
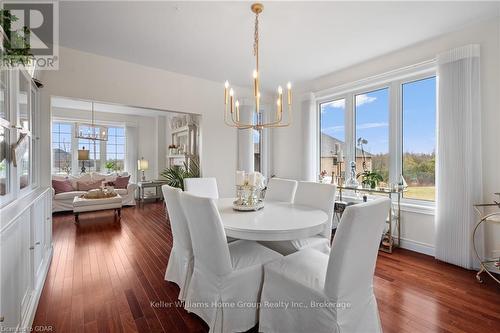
458,169
131,158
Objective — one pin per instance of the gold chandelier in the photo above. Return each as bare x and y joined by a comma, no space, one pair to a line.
232,105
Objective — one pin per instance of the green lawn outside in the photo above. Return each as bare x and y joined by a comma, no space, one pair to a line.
420,192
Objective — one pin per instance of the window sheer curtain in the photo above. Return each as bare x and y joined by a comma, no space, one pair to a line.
132,143
458,167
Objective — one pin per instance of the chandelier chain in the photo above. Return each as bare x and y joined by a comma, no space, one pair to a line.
256,39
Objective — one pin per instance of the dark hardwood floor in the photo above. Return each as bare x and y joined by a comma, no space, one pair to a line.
104,277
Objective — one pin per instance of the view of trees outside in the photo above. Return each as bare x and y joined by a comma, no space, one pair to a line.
419,138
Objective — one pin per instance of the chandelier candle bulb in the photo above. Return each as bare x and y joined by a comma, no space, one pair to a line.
280,97
231,101
237,105
289,93
255,83
226,87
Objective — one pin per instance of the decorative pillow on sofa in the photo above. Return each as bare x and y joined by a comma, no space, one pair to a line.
121,182
88,185
80,178
61,186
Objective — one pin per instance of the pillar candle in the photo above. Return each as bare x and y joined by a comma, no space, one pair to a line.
252,178
240,178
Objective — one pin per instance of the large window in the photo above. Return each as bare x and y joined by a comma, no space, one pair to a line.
387,127
332,137
372,133
61,147
104,156
115,149
419,137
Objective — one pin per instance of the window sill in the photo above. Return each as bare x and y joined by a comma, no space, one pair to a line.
411,206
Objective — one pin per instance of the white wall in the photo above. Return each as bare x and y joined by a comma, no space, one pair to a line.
417,228
92,77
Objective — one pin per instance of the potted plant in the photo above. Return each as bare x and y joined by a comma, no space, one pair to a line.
175,174
370,179
111,166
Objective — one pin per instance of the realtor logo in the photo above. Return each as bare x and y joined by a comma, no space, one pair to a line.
29,33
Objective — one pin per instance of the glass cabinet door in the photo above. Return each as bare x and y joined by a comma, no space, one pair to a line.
23,101
25,122
4,133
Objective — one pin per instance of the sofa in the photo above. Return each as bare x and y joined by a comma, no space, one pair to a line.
64,201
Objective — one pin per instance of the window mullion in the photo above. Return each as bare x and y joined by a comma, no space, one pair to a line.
395,132
74,150
102,154
350,132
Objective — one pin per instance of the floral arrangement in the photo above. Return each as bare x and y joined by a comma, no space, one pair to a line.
251,179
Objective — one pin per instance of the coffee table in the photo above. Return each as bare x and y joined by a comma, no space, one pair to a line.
82,205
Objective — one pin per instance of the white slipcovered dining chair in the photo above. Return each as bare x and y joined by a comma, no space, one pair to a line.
223,273
336,290
279,189
202,187
180,262
316,195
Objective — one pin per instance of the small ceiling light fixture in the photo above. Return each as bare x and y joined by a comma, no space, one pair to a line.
91,131
232,105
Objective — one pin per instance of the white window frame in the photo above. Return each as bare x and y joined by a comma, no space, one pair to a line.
394,81
75,165
71,146
116,145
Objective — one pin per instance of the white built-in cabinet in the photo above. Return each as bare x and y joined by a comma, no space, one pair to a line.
25,255
25,206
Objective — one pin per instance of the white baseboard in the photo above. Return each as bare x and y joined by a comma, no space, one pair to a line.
29,316
417,247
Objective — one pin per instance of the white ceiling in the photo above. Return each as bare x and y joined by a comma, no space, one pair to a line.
299,40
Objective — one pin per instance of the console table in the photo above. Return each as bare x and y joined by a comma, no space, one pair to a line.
487,265
156,184
394,219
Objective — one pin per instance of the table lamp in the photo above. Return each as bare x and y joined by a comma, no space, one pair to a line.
142,165
83,155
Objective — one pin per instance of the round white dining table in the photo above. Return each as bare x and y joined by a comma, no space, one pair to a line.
277,221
